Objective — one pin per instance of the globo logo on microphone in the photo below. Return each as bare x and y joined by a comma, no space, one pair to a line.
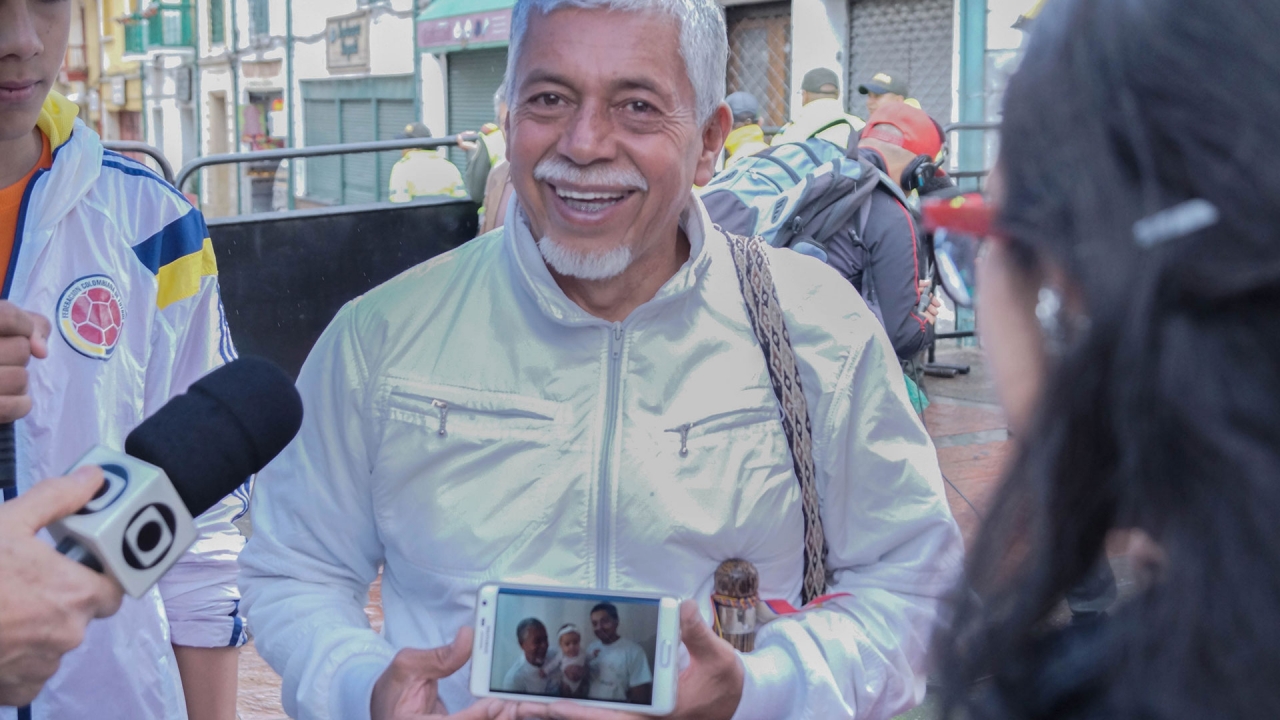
149,536
136,526
115,482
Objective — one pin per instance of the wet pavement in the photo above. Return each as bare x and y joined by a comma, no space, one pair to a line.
966,424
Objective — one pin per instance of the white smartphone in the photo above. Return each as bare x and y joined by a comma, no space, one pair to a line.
598,648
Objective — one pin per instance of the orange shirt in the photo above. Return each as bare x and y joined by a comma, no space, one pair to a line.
11,205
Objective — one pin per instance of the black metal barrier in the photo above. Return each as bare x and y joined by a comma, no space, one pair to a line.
284,275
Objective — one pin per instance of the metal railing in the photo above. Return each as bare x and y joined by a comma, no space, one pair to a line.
984,127
123,146
958,174
312,151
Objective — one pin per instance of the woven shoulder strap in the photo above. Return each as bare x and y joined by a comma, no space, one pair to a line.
761,297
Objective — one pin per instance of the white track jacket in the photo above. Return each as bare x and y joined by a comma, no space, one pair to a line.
466,422
121,265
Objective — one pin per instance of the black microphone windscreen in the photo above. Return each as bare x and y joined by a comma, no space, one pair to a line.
227,426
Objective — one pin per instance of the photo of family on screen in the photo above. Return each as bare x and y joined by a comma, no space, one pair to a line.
575,648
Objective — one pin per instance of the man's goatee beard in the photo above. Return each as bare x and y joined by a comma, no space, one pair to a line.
585,265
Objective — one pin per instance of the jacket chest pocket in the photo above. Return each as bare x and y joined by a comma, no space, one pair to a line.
465,414
468,481
716,475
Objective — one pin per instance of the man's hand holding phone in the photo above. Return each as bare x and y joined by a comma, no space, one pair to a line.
407,689
710,687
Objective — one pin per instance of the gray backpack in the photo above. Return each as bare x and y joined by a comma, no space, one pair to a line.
799,196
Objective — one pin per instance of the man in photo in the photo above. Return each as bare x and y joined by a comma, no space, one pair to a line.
526,675
618,666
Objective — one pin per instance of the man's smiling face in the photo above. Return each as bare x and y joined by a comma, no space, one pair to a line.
605,142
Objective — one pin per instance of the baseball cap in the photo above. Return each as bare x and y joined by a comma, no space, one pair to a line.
744,106
884,83
919,133
414,130
818,78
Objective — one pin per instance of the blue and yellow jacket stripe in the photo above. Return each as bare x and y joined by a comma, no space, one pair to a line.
178,252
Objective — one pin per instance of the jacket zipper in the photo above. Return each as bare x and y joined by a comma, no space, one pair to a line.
606,450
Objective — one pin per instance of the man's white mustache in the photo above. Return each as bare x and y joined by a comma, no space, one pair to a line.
556,169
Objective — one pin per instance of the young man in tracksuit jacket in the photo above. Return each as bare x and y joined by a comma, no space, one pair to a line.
121,266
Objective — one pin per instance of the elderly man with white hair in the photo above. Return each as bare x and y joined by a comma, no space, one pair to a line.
607,392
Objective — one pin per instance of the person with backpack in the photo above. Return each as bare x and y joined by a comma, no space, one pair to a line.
821,113
843,208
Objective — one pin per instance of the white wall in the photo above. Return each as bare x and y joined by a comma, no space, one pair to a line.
636,621
819,38
435,98
392,44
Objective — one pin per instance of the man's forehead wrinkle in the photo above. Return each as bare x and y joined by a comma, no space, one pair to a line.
621,38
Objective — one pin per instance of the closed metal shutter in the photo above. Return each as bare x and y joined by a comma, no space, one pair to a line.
359,172
474,76
907,38
349,110
760,57
324,174
393,116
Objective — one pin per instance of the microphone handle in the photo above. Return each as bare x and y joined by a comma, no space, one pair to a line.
79,553
8,458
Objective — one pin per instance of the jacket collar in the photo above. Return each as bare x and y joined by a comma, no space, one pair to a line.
77,161
57,119
531,270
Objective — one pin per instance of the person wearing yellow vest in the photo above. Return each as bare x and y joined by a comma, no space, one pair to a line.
115,270
424,172
885,88
821,114
747,137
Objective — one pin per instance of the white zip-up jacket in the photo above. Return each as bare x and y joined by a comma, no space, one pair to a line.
466,422
122,266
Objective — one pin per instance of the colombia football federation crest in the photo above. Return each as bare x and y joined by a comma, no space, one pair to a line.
91,316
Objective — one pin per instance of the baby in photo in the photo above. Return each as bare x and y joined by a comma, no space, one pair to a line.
570,662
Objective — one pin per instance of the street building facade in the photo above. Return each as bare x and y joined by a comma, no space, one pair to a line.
199,77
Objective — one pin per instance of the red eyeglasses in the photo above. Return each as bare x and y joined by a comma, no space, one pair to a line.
959,226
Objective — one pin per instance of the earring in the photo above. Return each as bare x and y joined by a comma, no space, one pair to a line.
1049,314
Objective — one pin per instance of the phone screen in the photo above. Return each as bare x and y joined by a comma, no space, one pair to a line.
574,645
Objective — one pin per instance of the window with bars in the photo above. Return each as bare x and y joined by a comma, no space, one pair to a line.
259,18
760,57
217,22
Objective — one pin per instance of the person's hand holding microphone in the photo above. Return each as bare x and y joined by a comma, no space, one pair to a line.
46,600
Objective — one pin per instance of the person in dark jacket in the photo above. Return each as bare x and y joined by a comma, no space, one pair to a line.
884,259
885,263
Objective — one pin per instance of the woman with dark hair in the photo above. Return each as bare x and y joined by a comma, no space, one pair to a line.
1130,305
